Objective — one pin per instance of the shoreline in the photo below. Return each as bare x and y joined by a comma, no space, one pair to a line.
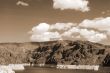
11,68
59,66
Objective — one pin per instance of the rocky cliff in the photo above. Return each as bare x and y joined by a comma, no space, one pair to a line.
57,52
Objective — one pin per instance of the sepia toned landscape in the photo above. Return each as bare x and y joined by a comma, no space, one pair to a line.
54,36
55,53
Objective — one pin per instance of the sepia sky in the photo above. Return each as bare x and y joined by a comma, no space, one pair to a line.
17,20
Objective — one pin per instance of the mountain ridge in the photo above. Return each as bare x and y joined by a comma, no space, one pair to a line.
55,52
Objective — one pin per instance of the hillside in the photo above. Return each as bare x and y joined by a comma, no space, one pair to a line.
57,52
15,52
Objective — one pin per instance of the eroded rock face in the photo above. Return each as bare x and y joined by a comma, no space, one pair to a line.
72,53
106,61
57,52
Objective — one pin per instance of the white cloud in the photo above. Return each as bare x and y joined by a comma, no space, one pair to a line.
79,5
41,33
46,36
62,26
90,35
64,31
22,3
102,24
93,36
41,28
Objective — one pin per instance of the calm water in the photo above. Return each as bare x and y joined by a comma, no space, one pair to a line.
53,70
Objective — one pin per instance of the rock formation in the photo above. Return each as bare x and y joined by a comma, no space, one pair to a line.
56,52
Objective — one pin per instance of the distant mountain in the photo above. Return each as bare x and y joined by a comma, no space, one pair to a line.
56,52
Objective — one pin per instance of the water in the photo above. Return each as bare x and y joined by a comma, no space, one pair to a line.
53,70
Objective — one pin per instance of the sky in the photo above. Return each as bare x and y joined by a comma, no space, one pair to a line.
19,17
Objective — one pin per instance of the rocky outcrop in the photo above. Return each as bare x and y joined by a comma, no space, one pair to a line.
71,53
56,52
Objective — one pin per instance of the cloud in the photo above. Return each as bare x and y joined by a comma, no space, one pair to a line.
79,5
22,3
93,36
46,36
62,26
41,33
84,34
41,28
64,31
102,24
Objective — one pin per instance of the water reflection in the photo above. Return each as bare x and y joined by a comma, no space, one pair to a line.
54,70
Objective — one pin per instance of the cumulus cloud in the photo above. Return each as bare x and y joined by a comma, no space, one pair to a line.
62,26
41,28
22,3
46,36
79,5
64,31
84,34
102,24
93,36
41,33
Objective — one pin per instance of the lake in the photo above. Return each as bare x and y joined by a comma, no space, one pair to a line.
54,70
